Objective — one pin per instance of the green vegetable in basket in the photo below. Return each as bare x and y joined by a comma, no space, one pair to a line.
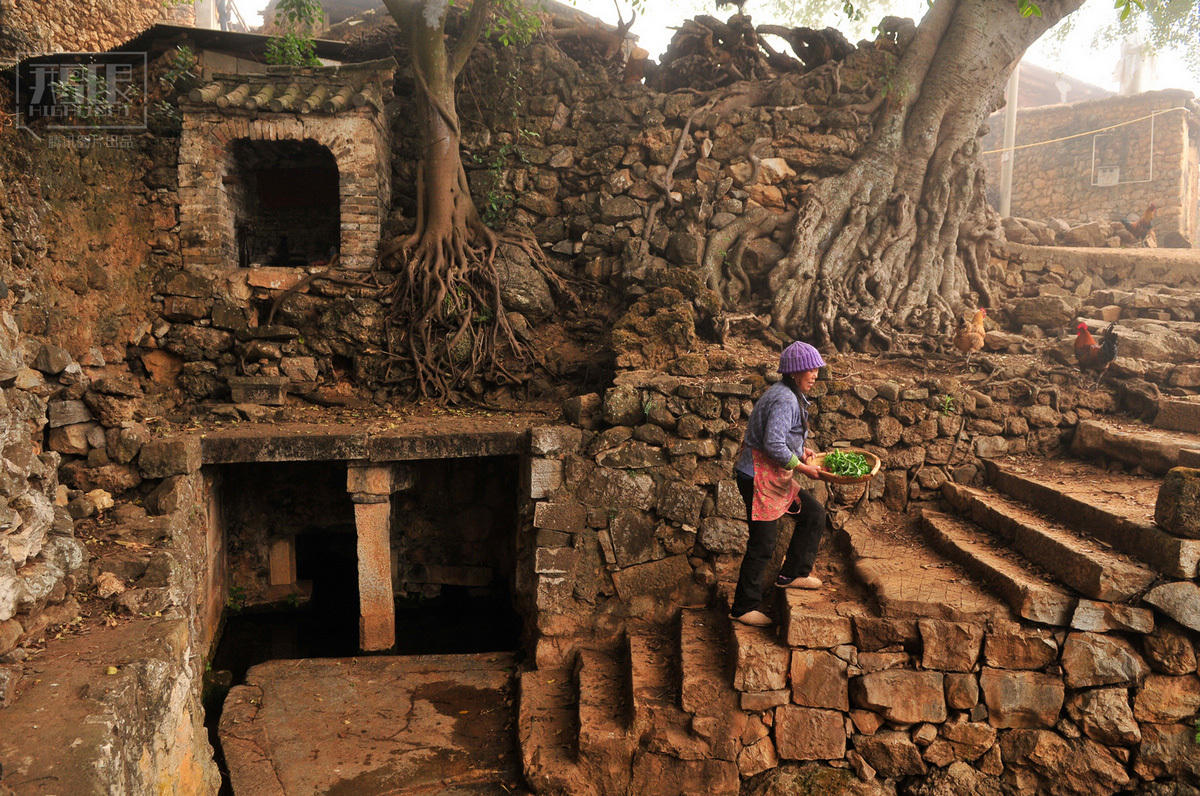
847,463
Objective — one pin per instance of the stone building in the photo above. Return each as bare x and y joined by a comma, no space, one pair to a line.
28,28
1107,160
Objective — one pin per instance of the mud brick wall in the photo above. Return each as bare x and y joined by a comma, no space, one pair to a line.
634,506
1078,711
1055,180
80,25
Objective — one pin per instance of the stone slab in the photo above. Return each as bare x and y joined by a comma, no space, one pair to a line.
428,723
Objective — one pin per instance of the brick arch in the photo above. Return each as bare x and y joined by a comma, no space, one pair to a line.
359,147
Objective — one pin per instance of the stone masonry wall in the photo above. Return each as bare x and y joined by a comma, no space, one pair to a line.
635,507
30,28
40,560
1055,180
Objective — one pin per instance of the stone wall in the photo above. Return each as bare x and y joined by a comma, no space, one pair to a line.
26,28
1057,180
636,509
1046,711
40,559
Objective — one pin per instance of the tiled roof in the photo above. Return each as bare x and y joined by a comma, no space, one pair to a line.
290,89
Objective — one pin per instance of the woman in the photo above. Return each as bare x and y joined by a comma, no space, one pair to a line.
772,451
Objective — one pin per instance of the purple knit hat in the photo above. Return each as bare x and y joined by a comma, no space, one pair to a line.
800,356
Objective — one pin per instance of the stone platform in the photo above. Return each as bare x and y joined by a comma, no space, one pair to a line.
419,724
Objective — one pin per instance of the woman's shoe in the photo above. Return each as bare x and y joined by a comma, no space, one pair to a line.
806,582
753,618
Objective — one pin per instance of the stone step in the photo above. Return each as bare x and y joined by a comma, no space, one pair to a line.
1116,508
548,733
604,719
1078,561
705,681
1029,594
1154,450
909,580
659,723
1178,414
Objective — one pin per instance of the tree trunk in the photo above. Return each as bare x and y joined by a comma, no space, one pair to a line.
899,241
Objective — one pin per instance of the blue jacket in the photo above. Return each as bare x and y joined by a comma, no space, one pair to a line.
778,427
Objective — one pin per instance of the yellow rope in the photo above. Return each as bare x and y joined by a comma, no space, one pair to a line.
1081,135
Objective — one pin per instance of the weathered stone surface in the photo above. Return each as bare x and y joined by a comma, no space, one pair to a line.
760,661
1019,650
559,516
67,413
1168,650
583,410
633,539
890,753
609,488
1102,617
622,406
949,646
722,535
554,440
1020,698
809,734
1104,715
901,696
1178,507
969,739
1164,699
962,691
523,289
875,633
1179,600
160,458
814,630
819,680
657,578
1167,750
1052,313
1081,766
1094,659
757,757
680,502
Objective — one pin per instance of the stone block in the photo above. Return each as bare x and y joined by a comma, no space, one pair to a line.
1167,751
809,734
271,278
901,695
160,458
949,646
1164,699
1178,507
555,561
70,440
654,578
812,630
962,691
544,476
559,516
1104,715
723,535
1179,600
1168,650
760,660
890,753
1019,650
1103,617
1176,414
876,633
759,701
68,413
369,479
819,680
554,441
680,502
1091,659
729,501
264,390
1020,698
633,536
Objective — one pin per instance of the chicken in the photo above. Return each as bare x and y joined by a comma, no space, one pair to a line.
968,338
1091,355
1140,229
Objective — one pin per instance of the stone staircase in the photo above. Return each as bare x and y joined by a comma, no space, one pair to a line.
979,634
629,720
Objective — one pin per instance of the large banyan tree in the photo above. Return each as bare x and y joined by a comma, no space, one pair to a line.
897,241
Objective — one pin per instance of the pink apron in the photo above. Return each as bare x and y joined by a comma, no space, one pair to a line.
774,489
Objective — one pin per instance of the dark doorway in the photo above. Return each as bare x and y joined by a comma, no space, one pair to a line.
286,203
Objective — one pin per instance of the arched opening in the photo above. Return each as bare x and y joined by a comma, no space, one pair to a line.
285,201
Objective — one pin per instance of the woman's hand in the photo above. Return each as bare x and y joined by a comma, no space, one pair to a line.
809,470
807,456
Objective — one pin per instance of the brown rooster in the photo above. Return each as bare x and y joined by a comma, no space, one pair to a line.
1140,229
1091,355
968,338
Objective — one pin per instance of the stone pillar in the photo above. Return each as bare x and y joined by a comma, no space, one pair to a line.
370,488
281,561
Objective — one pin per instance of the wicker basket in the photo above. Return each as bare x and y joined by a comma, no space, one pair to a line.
819,462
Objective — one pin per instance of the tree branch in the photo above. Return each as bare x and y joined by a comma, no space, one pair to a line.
472,30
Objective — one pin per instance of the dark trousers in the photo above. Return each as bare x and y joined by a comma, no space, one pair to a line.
801,552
